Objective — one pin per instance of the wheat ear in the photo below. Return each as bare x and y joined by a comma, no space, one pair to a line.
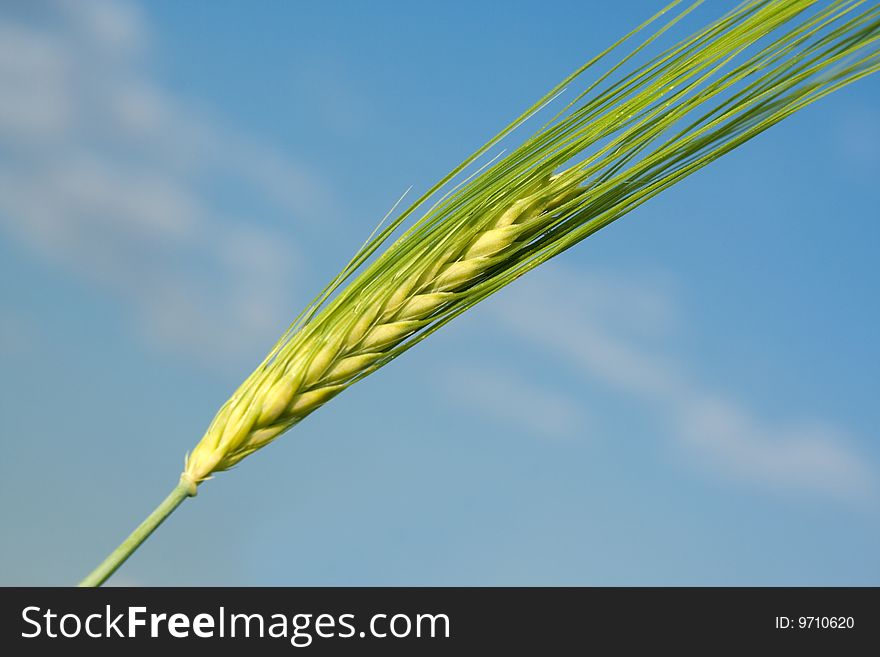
628,136
286,390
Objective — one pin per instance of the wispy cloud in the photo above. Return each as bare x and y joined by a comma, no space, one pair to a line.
600,331
509,398
108,174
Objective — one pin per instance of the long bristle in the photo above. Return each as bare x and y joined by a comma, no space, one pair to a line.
624,139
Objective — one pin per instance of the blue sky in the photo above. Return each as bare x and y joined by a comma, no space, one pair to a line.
689,397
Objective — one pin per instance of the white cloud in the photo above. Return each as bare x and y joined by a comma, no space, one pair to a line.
587,330
724,434
108,174
511,399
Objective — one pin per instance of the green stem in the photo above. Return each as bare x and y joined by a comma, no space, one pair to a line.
116,558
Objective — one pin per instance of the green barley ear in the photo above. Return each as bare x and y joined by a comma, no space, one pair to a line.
335,348
639,127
